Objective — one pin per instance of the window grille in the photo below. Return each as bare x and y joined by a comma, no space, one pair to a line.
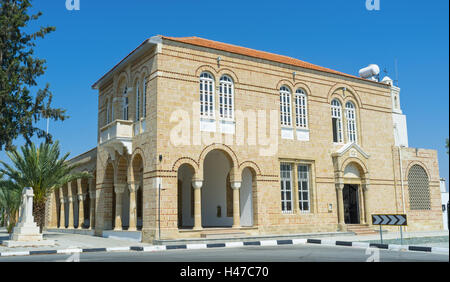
419,190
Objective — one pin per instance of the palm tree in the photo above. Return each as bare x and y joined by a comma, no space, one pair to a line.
43,170
10,199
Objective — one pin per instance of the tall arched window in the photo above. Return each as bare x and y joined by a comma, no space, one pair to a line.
301,112
138,102
350,115
226,97
285,106
108,111
206,95
111,111
336,118
418,187
144,93
125,104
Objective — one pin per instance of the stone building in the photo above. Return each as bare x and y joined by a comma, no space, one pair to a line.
197,137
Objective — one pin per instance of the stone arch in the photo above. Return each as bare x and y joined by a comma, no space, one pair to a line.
412,163
136,152
185,194
252,165
136,76
418,191
303,86
228,152
143,72
206,68
285,82
360,164
248,195
122,80
136,165
121,170
185,160
349,89
230,73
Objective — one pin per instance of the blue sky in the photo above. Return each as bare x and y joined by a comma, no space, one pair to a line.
338,34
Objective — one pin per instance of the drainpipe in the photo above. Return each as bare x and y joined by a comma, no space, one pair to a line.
401,179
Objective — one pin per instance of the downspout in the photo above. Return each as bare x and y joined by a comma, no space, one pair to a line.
401,180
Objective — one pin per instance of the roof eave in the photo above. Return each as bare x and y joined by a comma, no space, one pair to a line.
145,46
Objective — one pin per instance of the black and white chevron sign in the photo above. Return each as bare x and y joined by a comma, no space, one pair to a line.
389,219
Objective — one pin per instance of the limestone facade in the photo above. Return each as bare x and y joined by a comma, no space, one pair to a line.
162,169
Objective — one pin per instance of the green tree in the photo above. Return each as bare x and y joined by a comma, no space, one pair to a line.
43,170
19,70
10,199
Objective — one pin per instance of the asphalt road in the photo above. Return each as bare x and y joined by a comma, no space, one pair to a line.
291,253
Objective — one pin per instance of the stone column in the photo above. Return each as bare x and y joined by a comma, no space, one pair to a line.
340,206
62,216
70,212
132,218
236,186
361,205
62,213
197,184
365,189
119,189
92,210
81,198
92,196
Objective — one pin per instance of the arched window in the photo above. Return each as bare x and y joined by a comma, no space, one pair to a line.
419,190
206,95
144,104
336,118
226,97
125,104
350,114
285,106
301,112
111,111
108,111
138,102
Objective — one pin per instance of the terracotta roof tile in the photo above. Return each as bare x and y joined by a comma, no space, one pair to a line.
197,41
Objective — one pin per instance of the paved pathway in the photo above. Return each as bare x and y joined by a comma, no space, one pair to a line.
69,241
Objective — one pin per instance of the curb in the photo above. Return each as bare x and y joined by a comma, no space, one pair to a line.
157,248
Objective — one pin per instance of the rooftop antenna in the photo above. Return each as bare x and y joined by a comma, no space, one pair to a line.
396,72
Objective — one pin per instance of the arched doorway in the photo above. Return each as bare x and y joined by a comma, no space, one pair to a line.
351,204
121,195
185,196
217,195
352,194
246,197
135,196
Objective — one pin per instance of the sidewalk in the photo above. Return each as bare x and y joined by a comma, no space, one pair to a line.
87,243
71,241
418,238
